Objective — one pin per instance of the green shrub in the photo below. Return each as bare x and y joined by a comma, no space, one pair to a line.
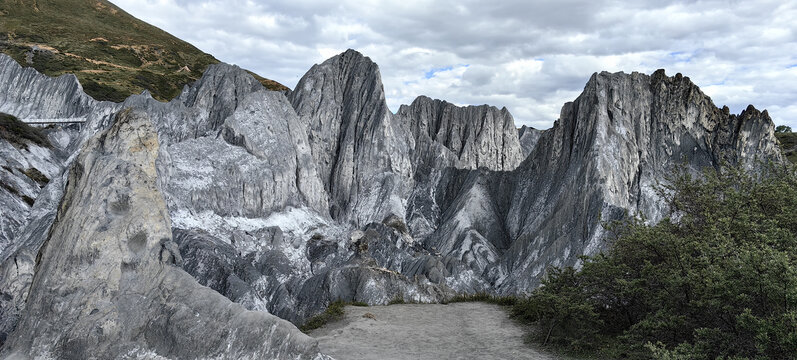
398,299
715,280
17,132
507,300
36,175
334,311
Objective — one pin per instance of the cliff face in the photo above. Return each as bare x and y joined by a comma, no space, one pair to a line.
476,136
362,154
528,137
284,203
604,157
109,270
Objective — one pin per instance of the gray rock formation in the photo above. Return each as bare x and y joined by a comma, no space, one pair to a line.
283,204
362,154
476,136
29,94
107,283
602,159
260,163
528,137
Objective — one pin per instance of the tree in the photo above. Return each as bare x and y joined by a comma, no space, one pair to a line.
716,279
783,129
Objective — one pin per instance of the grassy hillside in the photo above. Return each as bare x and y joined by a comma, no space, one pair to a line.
788,142
112,53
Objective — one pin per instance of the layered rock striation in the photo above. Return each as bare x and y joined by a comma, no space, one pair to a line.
475,136
107,283
361,152
283,203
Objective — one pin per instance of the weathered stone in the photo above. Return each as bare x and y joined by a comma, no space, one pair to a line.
362,153
284,204
528,137
476,136
102,288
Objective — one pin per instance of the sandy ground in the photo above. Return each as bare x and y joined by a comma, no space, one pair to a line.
454,331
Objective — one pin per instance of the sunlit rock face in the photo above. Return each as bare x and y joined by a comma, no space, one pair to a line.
284,202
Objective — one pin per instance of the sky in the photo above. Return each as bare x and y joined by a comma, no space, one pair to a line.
529,56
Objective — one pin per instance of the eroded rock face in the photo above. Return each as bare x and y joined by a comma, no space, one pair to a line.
108,284
259,163
361,152
528,137
285,203
29,94
476,136
603,158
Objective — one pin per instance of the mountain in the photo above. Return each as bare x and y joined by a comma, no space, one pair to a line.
113,54
528,139
231,202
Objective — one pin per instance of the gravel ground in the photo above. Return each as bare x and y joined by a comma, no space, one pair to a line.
426,331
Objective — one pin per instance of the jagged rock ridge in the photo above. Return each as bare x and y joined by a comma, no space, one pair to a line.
285,203
477,136
528,137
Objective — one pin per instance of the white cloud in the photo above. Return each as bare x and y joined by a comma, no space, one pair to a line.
530,56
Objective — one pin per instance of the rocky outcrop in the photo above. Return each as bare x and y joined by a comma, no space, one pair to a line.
602,160
528,137
362,154
285,203
29,94
107,283
476,136
260,163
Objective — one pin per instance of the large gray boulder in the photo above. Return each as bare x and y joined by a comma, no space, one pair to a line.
108,285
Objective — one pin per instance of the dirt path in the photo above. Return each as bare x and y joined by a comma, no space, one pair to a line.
454,331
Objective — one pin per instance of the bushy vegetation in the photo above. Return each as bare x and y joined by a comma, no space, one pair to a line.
508,300
113,54
397,300
17,132
715,280
788,143
37,176
334,311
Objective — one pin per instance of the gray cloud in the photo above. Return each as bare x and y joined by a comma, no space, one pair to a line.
530,56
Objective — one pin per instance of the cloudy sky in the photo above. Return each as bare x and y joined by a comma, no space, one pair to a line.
530,56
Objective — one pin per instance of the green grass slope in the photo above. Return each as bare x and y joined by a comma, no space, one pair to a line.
788,143
112,53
